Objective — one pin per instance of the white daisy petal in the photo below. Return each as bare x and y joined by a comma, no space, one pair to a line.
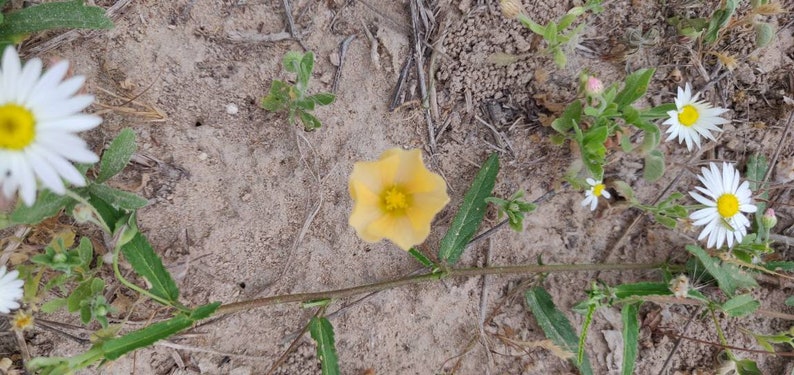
45,113
725,200
692,119
10,290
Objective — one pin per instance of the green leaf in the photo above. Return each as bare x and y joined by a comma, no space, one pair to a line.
747,367
740,305
323,334
147,264
108,213
728,276
471,212
305,71
555,325
635,88
53,305
118,198
117,155
571,115
624,190
642,289
756,170
782,265
658,112
79,294
421,257
532,25
47,204
790,301
291,61
559,57
144,337
631,333
667,221
550,34
654,166
310,122
204,312
305,104
719,19
764,33
58,15
278,96
323,98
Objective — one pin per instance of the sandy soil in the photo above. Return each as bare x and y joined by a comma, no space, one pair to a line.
244,206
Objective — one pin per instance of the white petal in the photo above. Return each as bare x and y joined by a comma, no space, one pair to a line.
72,124
63,108
30,75
46,173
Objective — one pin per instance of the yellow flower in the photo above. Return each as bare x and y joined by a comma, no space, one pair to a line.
395,197
22,321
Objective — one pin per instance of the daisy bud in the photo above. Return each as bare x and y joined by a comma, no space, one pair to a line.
769,220
593,86
510,8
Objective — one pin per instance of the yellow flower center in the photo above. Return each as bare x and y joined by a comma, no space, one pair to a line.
597,189
688,115
727,205
394,199
17,127
22,321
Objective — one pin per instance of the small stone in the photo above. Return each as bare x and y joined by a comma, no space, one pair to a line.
232,109
241,371
334,58
203,156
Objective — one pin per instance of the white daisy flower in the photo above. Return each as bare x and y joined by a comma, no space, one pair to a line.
693,119
10,290
597,189
725,201
39,116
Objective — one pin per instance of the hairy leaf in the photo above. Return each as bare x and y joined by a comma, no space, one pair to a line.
635,88
555,325
323,334
631,333
57,15
470,214
117,155
48,204
144,337
740,305
146,263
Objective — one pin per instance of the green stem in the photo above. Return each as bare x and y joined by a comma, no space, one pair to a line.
422,278
720,334
98,218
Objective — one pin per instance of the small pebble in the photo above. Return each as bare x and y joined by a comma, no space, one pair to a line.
232,109
203,156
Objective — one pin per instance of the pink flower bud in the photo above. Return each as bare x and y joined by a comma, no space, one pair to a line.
593,86
769,220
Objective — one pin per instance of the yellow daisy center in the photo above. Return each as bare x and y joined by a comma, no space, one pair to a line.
727,205
17,127
395,199
597,189
688,115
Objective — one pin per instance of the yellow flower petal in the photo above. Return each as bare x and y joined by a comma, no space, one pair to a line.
373,184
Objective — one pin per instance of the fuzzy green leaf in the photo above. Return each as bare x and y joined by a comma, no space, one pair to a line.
305,71
635,88
146,263
470,213
631,333
144,337
323,334
53,305
790,301
422,258
571,115
729,277
310,122
658,112
718,20
747,367
57,15
47,204
291,61
323,98
764,33
117,155
642,289
741,305
204,311
278,96
654,166
555,325
118,198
